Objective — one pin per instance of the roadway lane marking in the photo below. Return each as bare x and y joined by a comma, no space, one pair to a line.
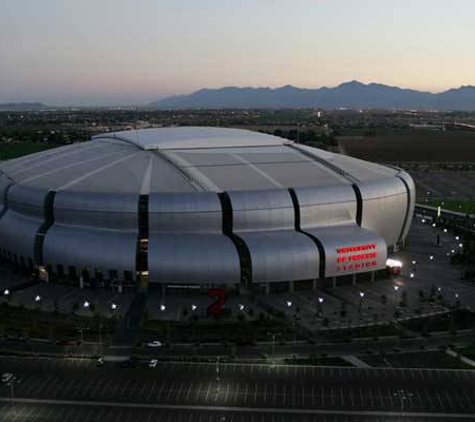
161,389
189,392
266,410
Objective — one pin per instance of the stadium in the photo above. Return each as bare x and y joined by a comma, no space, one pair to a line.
187,206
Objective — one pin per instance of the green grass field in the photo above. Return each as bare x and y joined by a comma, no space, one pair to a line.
460,205
18,149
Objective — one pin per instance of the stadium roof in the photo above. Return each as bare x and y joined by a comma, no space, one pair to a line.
193,137
189,159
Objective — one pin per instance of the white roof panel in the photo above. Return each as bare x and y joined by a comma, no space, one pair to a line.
194,137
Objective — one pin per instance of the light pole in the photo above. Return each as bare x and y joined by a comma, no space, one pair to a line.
403,396
12,381
361,301
320,305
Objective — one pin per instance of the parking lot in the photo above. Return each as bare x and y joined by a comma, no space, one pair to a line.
445,184
244,386
103,413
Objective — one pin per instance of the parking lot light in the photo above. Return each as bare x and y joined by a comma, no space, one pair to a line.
114,306
460,245
423,220
456,295
361,295
431,257
241,307
6,292
433,224
411,275
439,289
86,304
445,230
163,307
414,262
289,303
452,251
37,298
457,237
320,299
193,307
396,288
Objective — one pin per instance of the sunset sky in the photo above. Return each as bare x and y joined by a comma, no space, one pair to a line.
102,52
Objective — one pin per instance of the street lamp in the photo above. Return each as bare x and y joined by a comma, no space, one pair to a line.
12,381
403,396
114,306
241,307
289,303
86,304
396,288
320,302
37,298
411,275
163,307
193,307
361,301
6,292
431,257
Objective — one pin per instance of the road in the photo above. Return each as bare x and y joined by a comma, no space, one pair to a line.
76,387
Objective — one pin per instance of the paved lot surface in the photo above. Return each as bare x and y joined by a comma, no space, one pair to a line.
104,413
206,387
444,184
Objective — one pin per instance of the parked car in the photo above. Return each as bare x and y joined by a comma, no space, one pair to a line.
154,343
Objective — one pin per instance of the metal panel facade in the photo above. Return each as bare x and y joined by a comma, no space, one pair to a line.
93,231
262,210
193,258
282,256
90,249
22,219
350,249
186,242
4,184
384,207
412,201
326,206
181,213
265,220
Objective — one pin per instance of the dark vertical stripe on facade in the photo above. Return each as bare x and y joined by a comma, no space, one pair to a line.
5,201
141,263
408,208
245,261
48,221
321,249
359,204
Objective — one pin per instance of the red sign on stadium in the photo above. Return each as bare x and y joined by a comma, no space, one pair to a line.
357,257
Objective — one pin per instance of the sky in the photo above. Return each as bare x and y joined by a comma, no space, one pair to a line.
106,52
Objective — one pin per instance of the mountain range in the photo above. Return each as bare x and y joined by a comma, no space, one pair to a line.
22,106
354,95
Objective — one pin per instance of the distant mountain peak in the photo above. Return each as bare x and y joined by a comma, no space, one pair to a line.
351,94
22,106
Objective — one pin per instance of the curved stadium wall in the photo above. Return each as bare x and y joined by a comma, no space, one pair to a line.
205,206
